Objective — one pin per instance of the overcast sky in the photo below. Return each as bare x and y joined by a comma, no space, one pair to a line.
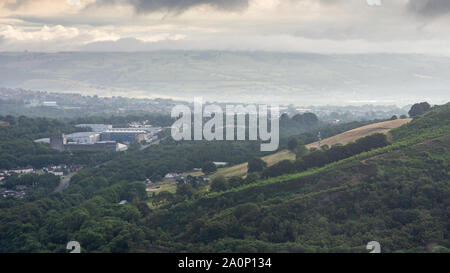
321,26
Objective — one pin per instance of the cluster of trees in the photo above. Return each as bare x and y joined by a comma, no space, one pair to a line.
256,165
395,117
424,125
319,158
221,183
306,119
31,128
209,167
190,188
40,185
195,188
95,219
419,108
298,124
158,160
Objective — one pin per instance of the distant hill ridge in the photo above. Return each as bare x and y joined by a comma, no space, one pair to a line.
283,78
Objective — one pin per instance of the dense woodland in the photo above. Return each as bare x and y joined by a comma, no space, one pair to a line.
343,197
18,149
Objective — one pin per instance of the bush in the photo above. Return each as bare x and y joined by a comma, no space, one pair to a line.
219,184
418,109
209,167
292,144
256,164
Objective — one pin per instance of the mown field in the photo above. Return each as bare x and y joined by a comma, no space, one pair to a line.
344,138
352,135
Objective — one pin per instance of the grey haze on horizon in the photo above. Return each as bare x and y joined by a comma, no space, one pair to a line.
300,79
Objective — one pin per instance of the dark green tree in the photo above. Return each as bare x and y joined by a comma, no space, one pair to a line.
301,150
256,164
292,144
185,190
209,167
418,109
219,184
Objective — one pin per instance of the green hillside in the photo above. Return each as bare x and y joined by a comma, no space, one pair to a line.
398,195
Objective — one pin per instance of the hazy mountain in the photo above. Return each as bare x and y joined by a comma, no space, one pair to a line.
300,79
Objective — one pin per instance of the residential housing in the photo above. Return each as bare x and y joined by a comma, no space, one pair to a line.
172,177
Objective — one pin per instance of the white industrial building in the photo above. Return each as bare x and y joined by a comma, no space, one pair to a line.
83,138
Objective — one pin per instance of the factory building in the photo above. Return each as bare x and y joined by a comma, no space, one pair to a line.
150,129
125,135
102,137
99,146
59,142
83,138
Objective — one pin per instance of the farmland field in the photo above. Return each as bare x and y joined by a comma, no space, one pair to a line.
344,138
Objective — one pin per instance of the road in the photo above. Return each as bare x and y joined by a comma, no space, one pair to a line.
65,182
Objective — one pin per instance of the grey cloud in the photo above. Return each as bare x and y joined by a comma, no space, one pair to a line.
429,8
148,6
179,6
68,20
172,6
15,5
176,6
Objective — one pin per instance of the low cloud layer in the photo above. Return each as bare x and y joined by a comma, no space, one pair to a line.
429,8
176,6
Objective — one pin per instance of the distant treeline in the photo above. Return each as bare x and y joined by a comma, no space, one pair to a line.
154,119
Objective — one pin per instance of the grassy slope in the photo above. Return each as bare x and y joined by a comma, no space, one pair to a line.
241,169
344,138
397,195
352,135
